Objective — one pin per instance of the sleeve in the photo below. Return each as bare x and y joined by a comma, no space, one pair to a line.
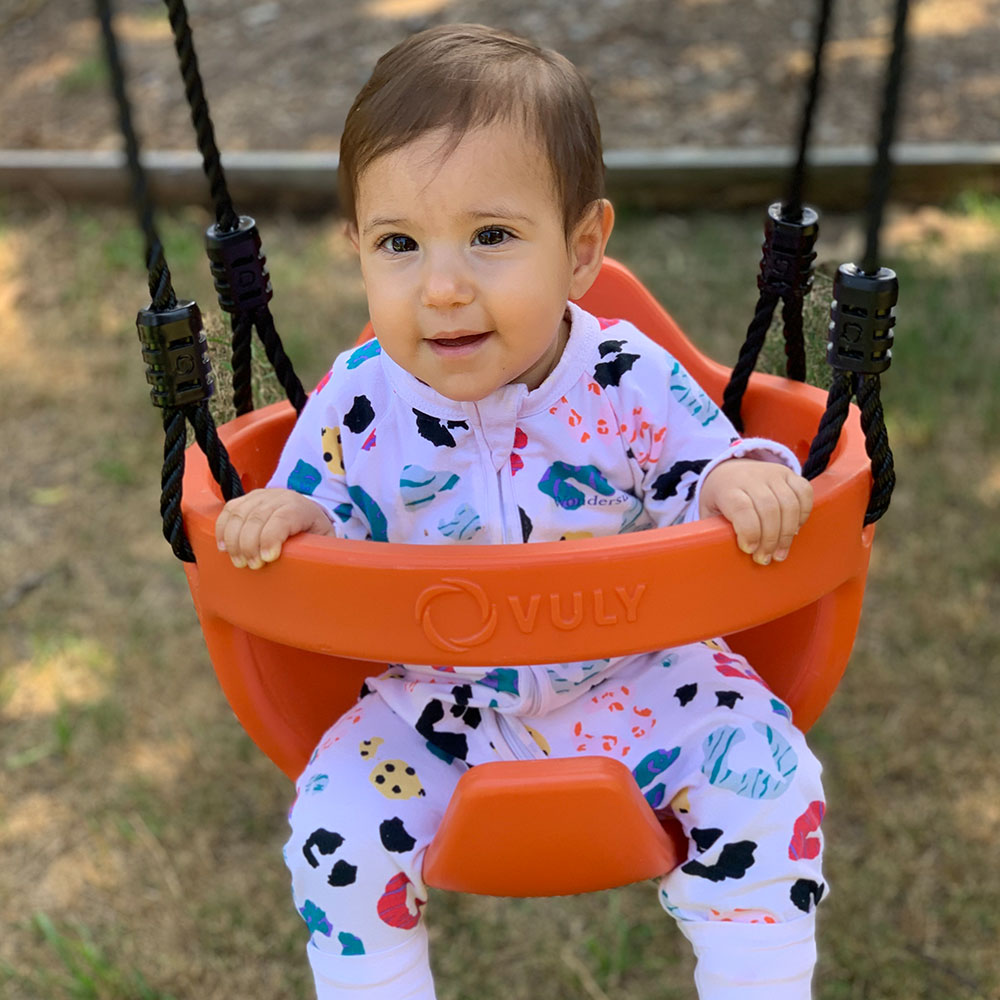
676,435
312,462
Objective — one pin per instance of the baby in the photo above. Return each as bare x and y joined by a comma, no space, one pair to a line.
491,408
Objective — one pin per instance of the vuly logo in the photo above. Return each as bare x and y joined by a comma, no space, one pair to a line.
600,606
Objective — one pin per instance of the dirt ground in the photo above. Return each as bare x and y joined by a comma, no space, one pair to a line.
280,74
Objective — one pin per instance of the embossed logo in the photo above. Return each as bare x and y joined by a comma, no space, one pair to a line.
456,644
565,612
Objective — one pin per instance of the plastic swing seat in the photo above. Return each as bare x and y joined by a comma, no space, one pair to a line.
292,643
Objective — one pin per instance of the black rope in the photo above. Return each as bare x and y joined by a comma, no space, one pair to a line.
861,356
795,341
251,312
160,287
786,265
171,479
792,208
867,389
207,436
164,321
732,398
225,214
838,403
242,383
882,171
279,360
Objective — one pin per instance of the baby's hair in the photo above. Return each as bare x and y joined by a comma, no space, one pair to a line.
459,77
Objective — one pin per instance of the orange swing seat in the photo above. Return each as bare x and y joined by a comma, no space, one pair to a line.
292,643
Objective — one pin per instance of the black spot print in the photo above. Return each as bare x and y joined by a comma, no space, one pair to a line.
666,484
526,525
324,841
343,874
734,861
728,698
360,415
703,839
685,693
433,430
394,836
806,892
610,372
453,744
607,347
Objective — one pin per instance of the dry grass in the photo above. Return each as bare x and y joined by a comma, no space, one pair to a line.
140,831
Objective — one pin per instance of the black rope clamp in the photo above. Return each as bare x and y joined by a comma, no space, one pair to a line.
861,320
175,350
786,266
238,266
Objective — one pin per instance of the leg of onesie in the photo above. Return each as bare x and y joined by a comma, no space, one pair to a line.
706,739
368,804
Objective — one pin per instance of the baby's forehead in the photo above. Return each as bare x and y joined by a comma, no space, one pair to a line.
505,153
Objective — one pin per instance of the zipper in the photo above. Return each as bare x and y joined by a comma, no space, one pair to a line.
518,748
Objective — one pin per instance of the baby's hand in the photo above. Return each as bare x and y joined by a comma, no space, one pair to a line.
765,502
252,528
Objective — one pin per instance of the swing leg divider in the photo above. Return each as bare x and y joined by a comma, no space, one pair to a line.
550,828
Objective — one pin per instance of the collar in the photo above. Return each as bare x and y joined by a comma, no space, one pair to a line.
580,349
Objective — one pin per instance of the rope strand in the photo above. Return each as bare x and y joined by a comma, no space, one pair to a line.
882,171
792,208
225,214
732,398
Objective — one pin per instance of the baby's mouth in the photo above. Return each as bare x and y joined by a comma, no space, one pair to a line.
454,343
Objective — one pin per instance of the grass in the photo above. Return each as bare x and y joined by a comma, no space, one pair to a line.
140,831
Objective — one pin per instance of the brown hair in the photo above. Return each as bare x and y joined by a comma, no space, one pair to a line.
463,76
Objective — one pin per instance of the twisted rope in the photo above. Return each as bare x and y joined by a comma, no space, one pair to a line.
171,479
279,360
867,388
732,398
244,321
882,171
225,214
838,403
164,300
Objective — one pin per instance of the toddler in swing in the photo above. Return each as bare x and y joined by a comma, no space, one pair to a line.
490,408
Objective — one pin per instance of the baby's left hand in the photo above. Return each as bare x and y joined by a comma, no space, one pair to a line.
765,502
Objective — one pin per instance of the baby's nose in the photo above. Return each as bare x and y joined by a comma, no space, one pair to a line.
446,282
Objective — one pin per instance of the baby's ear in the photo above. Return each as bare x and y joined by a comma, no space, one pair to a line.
587,244
351,232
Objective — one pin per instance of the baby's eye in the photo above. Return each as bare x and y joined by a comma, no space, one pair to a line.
397,243
491,236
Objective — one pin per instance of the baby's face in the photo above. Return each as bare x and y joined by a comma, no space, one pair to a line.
465,260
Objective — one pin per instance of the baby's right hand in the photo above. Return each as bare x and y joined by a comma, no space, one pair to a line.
252,528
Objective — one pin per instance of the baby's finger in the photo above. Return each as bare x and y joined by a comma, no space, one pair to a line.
250,532
769,512
738,509
231,531
789,506
273,534
804,491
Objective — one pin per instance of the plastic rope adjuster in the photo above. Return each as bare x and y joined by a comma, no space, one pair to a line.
861,320
175,350
238,266
786,266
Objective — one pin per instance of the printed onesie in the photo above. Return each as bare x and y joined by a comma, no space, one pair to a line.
617,439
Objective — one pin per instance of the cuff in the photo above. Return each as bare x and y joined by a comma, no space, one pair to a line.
761,449
753,961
